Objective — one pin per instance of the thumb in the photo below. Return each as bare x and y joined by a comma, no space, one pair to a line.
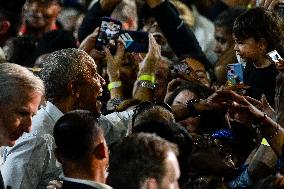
264,101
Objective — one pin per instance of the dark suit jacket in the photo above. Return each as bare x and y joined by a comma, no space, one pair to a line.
1,182
75,185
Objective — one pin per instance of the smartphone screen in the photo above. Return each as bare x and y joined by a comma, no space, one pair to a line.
274,56
108,33
235,74
135,41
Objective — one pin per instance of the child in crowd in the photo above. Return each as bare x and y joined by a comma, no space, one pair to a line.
252,43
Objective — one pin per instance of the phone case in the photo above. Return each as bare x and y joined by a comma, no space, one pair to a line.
135,41
235,73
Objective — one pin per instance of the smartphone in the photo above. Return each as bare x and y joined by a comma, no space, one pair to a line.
108,33
235,74
135,41
274,56
179,68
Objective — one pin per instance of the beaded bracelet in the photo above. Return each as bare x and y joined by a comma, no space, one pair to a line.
274,133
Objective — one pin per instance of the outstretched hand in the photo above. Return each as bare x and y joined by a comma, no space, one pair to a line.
88,45
267,4
148,65
237,104
114,61
54,184
262,105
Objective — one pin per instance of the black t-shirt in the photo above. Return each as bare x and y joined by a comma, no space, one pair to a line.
261,81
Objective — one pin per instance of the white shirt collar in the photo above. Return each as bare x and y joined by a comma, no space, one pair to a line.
88,182
53,111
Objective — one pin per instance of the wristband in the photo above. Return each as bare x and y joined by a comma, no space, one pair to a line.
274,133
147,78
114,84
113,103
264,142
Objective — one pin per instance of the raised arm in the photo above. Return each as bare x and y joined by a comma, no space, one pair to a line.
180,37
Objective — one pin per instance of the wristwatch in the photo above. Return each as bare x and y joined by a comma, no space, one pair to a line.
113,103
146,84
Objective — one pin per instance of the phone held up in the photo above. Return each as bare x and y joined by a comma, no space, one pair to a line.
274,56
108,34
135,41
235,80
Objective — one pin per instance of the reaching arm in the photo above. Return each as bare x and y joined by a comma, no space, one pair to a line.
180,37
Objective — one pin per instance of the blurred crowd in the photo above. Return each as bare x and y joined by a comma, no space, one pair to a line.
199,108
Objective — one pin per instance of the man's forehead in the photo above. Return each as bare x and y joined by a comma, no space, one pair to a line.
90,61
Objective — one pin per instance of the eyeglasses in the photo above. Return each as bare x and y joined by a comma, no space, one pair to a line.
146,105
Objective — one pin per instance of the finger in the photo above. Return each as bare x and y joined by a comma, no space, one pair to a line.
120,48
51,187
264,101
267,3
253,101
56,183
273,4
95,33
172,85
281,184
52,182
261,3
137,57
89,42
151,43
108,54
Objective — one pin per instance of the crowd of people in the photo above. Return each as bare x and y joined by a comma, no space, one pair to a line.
75,116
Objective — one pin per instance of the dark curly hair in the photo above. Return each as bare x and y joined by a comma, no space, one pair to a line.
260,23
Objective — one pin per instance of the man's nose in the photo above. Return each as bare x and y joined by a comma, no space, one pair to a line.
102,81
236,47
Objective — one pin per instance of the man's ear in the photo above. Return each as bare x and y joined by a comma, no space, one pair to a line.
4,26
72,89
101,151
263,45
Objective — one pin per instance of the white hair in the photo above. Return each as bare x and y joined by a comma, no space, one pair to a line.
16,79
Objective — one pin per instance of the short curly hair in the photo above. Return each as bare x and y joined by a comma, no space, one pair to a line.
260,23
60,67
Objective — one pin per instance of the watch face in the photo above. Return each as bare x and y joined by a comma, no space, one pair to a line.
146,84
112,103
